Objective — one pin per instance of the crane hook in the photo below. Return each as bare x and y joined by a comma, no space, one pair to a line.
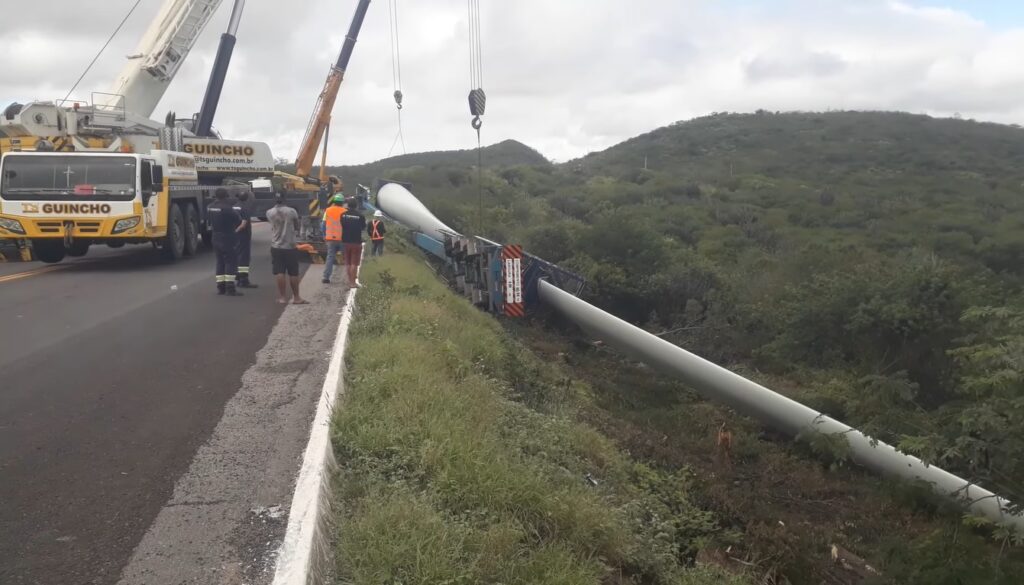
398,98
477,104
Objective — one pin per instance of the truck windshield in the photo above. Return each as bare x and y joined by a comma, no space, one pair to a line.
56,177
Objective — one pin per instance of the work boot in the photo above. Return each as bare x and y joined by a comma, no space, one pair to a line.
232,292
243,282
221,288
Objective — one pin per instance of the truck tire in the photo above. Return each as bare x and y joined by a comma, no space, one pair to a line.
192,237
48,251
172,247
77,249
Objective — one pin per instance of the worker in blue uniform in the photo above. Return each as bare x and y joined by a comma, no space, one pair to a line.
244,241
226,224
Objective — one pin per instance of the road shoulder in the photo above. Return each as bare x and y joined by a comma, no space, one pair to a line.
227,515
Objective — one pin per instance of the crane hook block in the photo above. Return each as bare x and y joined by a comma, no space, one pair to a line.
477,102
398,98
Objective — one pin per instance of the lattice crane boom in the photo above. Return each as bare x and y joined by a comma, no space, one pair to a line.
160,53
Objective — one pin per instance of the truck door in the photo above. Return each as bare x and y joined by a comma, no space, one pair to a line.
150,194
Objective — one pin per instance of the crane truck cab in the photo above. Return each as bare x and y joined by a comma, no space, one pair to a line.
64,202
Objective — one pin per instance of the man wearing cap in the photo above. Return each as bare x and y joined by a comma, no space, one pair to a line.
332,233
376,232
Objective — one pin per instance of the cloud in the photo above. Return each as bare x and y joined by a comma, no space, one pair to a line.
566,77
782,64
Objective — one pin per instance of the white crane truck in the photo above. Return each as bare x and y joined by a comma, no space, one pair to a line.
74,174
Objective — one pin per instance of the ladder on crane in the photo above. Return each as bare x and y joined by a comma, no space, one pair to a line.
185,22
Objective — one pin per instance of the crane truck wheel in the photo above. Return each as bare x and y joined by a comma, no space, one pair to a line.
172,247
192,239
48,251
78,249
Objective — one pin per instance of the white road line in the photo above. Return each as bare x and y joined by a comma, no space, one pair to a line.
306,548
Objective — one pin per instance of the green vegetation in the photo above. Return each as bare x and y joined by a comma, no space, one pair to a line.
507,153
448,477
863,253
867,264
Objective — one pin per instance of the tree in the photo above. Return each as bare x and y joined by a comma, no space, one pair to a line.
988,435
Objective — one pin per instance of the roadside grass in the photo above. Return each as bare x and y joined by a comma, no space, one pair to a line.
462,460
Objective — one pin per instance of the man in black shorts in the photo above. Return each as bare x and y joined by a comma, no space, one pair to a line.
284,224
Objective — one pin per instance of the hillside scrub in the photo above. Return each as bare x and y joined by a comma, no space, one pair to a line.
846,246
449,476
869,263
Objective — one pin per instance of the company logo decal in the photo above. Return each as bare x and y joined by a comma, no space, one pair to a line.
183,162
76,208
220,149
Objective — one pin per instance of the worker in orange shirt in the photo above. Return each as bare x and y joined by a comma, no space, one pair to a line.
332,233
376,232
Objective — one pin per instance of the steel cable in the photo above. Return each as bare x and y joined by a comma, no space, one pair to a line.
396,71
103,48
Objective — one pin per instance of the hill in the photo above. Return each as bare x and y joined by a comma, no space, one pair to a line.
503,154
953,186
814,146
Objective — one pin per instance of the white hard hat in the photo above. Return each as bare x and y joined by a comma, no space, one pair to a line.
378,213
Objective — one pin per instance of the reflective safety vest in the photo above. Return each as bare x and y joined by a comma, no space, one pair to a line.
332,223
375,230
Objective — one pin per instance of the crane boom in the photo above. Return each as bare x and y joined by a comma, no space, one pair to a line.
204,119
160,53
325,102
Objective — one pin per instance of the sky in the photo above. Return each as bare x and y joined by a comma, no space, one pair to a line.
566,77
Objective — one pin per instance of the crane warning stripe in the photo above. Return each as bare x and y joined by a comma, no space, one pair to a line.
511,251
512,273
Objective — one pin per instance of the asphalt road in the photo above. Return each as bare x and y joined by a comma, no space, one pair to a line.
114,370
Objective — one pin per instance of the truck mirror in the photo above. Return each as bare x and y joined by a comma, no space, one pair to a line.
158,176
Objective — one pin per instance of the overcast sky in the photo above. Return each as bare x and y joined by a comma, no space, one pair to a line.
563,76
